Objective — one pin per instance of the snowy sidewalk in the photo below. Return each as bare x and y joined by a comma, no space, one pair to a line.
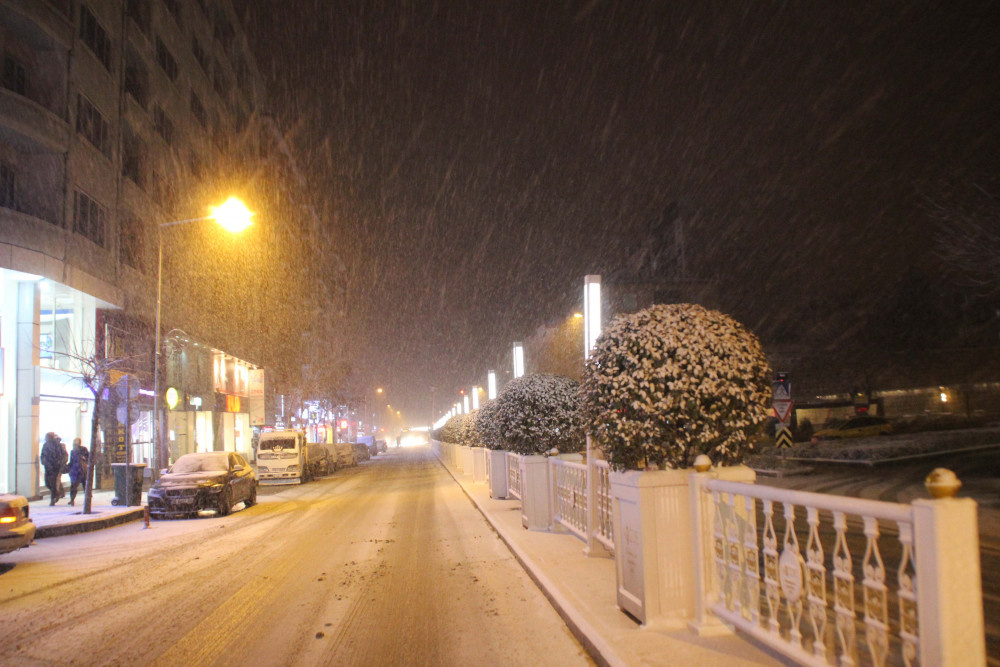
582,590
62,519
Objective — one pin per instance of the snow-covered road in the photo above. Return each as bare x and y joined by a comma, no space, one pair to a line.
387,563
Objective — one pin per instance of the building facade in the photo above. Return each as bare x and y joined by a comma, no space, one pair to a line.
114,118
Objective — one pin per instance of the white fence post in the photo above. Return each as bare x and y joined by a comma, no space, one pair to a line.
949,587
594,547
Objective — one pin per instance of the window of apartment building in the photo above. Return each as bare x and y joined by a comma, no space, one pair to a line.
131,243
62,6
174,7
163,190
15,75
95,37
136,78
194,162
200,55
166,60
198,109
224,32
163,125
138,11
133,157
8,186
89,218
243,75
93,125
221,81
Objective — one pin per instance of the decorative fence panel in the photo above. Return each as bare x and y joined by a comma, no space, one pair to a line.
514,475
569,495
825,579
604,531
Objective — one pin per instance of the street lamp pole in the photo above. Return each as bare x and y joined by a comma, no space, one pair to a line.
233,216
592,329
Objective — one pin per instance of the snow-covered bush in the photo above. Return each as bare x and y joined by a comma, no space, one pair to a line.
487,428
450,431
673,381
460,430
536,413
467,434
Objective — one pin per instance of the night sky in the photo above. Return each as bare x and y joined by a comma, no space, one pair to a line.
474,160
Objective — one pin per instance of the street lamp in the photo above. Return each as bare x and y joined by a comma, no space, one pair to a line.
518,360
591,312
233,216
591,330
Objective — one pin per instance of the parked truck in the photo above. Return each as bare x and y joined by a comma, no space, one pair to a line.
284,457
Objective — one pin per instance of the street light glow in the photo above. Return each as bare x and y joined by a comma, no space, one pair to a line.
233,215
591,312
491,385
475,398
518,360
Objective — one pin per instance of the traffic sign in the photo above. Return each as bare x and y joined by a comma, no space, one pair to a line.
783,410
784,438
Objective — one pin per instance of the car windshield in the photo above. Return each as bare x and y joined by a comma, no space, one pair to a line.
208,462
277,443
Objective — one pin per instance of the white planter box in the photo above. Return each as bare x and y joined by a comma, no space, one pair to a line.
653,543
478,464
467,463
536,514
498,473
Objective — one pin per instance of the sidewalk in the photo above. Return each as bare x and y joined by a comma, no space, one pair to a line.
582,590
61,519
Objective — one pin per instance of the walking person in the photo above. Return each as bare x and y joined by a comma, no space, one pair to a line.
79,458
53,459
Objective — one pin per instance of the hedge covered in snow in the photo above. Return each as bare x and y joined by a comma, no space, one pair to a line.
536,413
487,428
459,430
673,381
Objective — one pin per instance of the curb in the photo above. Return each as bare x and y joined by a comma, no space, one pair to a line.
86,525
592,642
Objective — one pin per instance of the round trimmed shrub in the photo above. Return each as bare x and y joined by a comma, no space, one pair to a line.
487,429
537,413
673,381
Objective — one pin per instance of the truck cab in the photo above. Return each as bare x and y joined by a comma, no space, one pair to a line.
281,458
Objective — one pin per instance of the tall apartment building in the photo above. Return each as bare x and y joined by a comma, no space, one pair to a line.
115,116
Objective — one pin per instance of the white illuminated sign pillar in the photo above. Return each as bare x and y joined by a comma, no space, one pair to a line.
475,398
491,385
465,404
591,313
591,330
518,360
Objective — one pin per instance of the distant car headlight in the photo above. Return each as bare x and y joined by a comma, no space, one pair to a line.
155,492
261,468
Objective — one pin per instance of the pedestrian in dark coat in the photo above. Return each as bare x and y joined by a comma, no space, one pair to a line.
79,458
53,459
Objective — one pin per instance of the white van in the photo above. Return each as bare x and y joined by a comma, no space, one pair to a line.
281,457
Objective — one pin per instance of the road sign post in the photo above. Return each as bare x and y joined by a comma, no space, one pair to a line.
783,407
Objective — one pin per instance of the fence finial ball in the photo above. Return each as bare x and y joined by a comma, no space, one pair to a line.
702,463
942,483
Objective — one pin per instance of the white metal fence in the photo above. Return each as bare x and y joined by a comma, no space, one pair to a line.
604,531
568,483
821,555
